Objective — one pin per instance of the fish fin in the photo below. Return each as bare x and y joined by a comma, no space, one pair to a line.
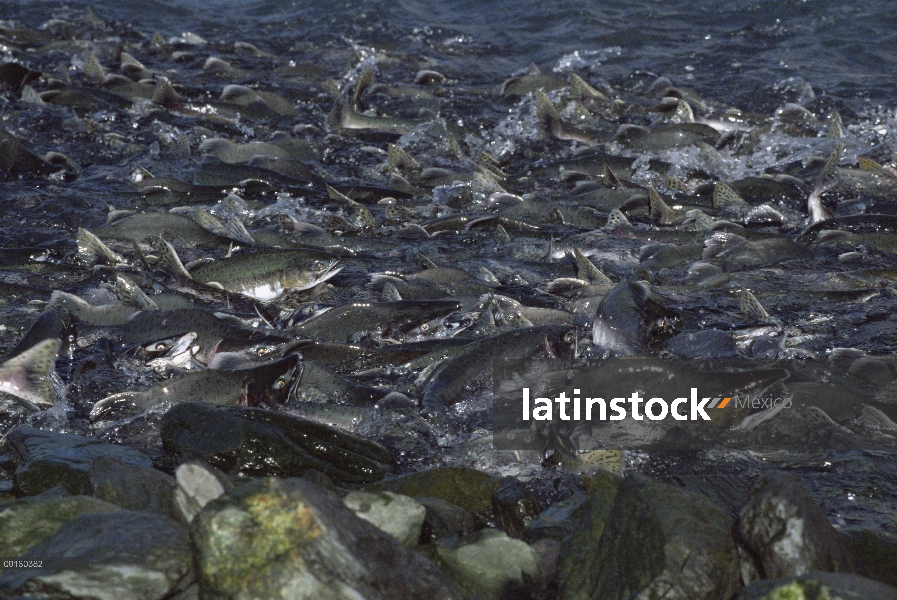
484,182
751,308
727,199
835,132
586,270
502,233
91,249
721,242
605,459
164,94
236,231
27,375
582,89
207,220
701,219
337,195
702,273
829,170
426,262
169,259
548,114
93,70
610,178
397,158
679,185
129,61
365,81
616,219
129,294
660,211
390,293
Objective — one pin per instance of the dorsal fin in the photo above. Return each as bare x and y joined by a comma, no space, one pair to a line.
169,259
582,89
91,249
367,78
617,219
586,270
660,212
236,231
129,294
751,308
397,158
164,94
93,70
726,198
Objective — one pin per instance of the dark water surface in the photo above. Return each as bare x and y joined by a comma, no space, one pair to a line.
725,50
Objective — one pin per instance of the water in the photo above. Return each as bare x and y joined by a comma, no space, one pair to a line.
752,55
729,51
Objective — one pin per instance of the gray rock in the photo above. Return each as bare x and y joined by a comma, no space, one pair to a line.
444,519
114,555
26,522
787,533
289,538
197,485
134,487
876,550
257,442
658,541
708,343
46,459
559,521
819,586
490,564
513,507
468,488
395,514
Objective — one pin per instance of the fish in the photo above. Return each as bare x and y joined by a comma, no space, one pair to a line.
268,384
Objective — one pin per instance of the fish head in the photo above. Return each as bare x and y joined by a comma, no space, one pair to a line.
274,382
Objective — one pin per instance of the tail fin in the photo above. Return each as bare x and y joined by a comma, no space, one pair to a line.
27,375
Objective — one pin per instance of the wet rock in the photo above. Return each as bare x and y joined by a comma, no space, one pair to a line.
289,538
134,487
709,343
468,488
46,459
559,521
877,552
25,522
819,586
444,519
513,507
256,442
787,533
395,514
490,564
658,541
580,556
112,555
548,551
197,485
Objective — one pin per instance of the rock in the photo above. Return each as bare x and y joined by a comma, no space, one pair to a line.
787,533
580,556
398,515
708,343
289,538
134,487
197,485
444,519
111,555
490,564
27,521
46,459
548,551
468,488
657,541
513,507
560,520
819,586
877,552
256,442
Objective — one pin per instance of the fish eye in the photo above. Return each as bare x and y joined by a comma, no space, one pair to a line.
262,350
425,327
160,346
318,265
569,337
279,383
